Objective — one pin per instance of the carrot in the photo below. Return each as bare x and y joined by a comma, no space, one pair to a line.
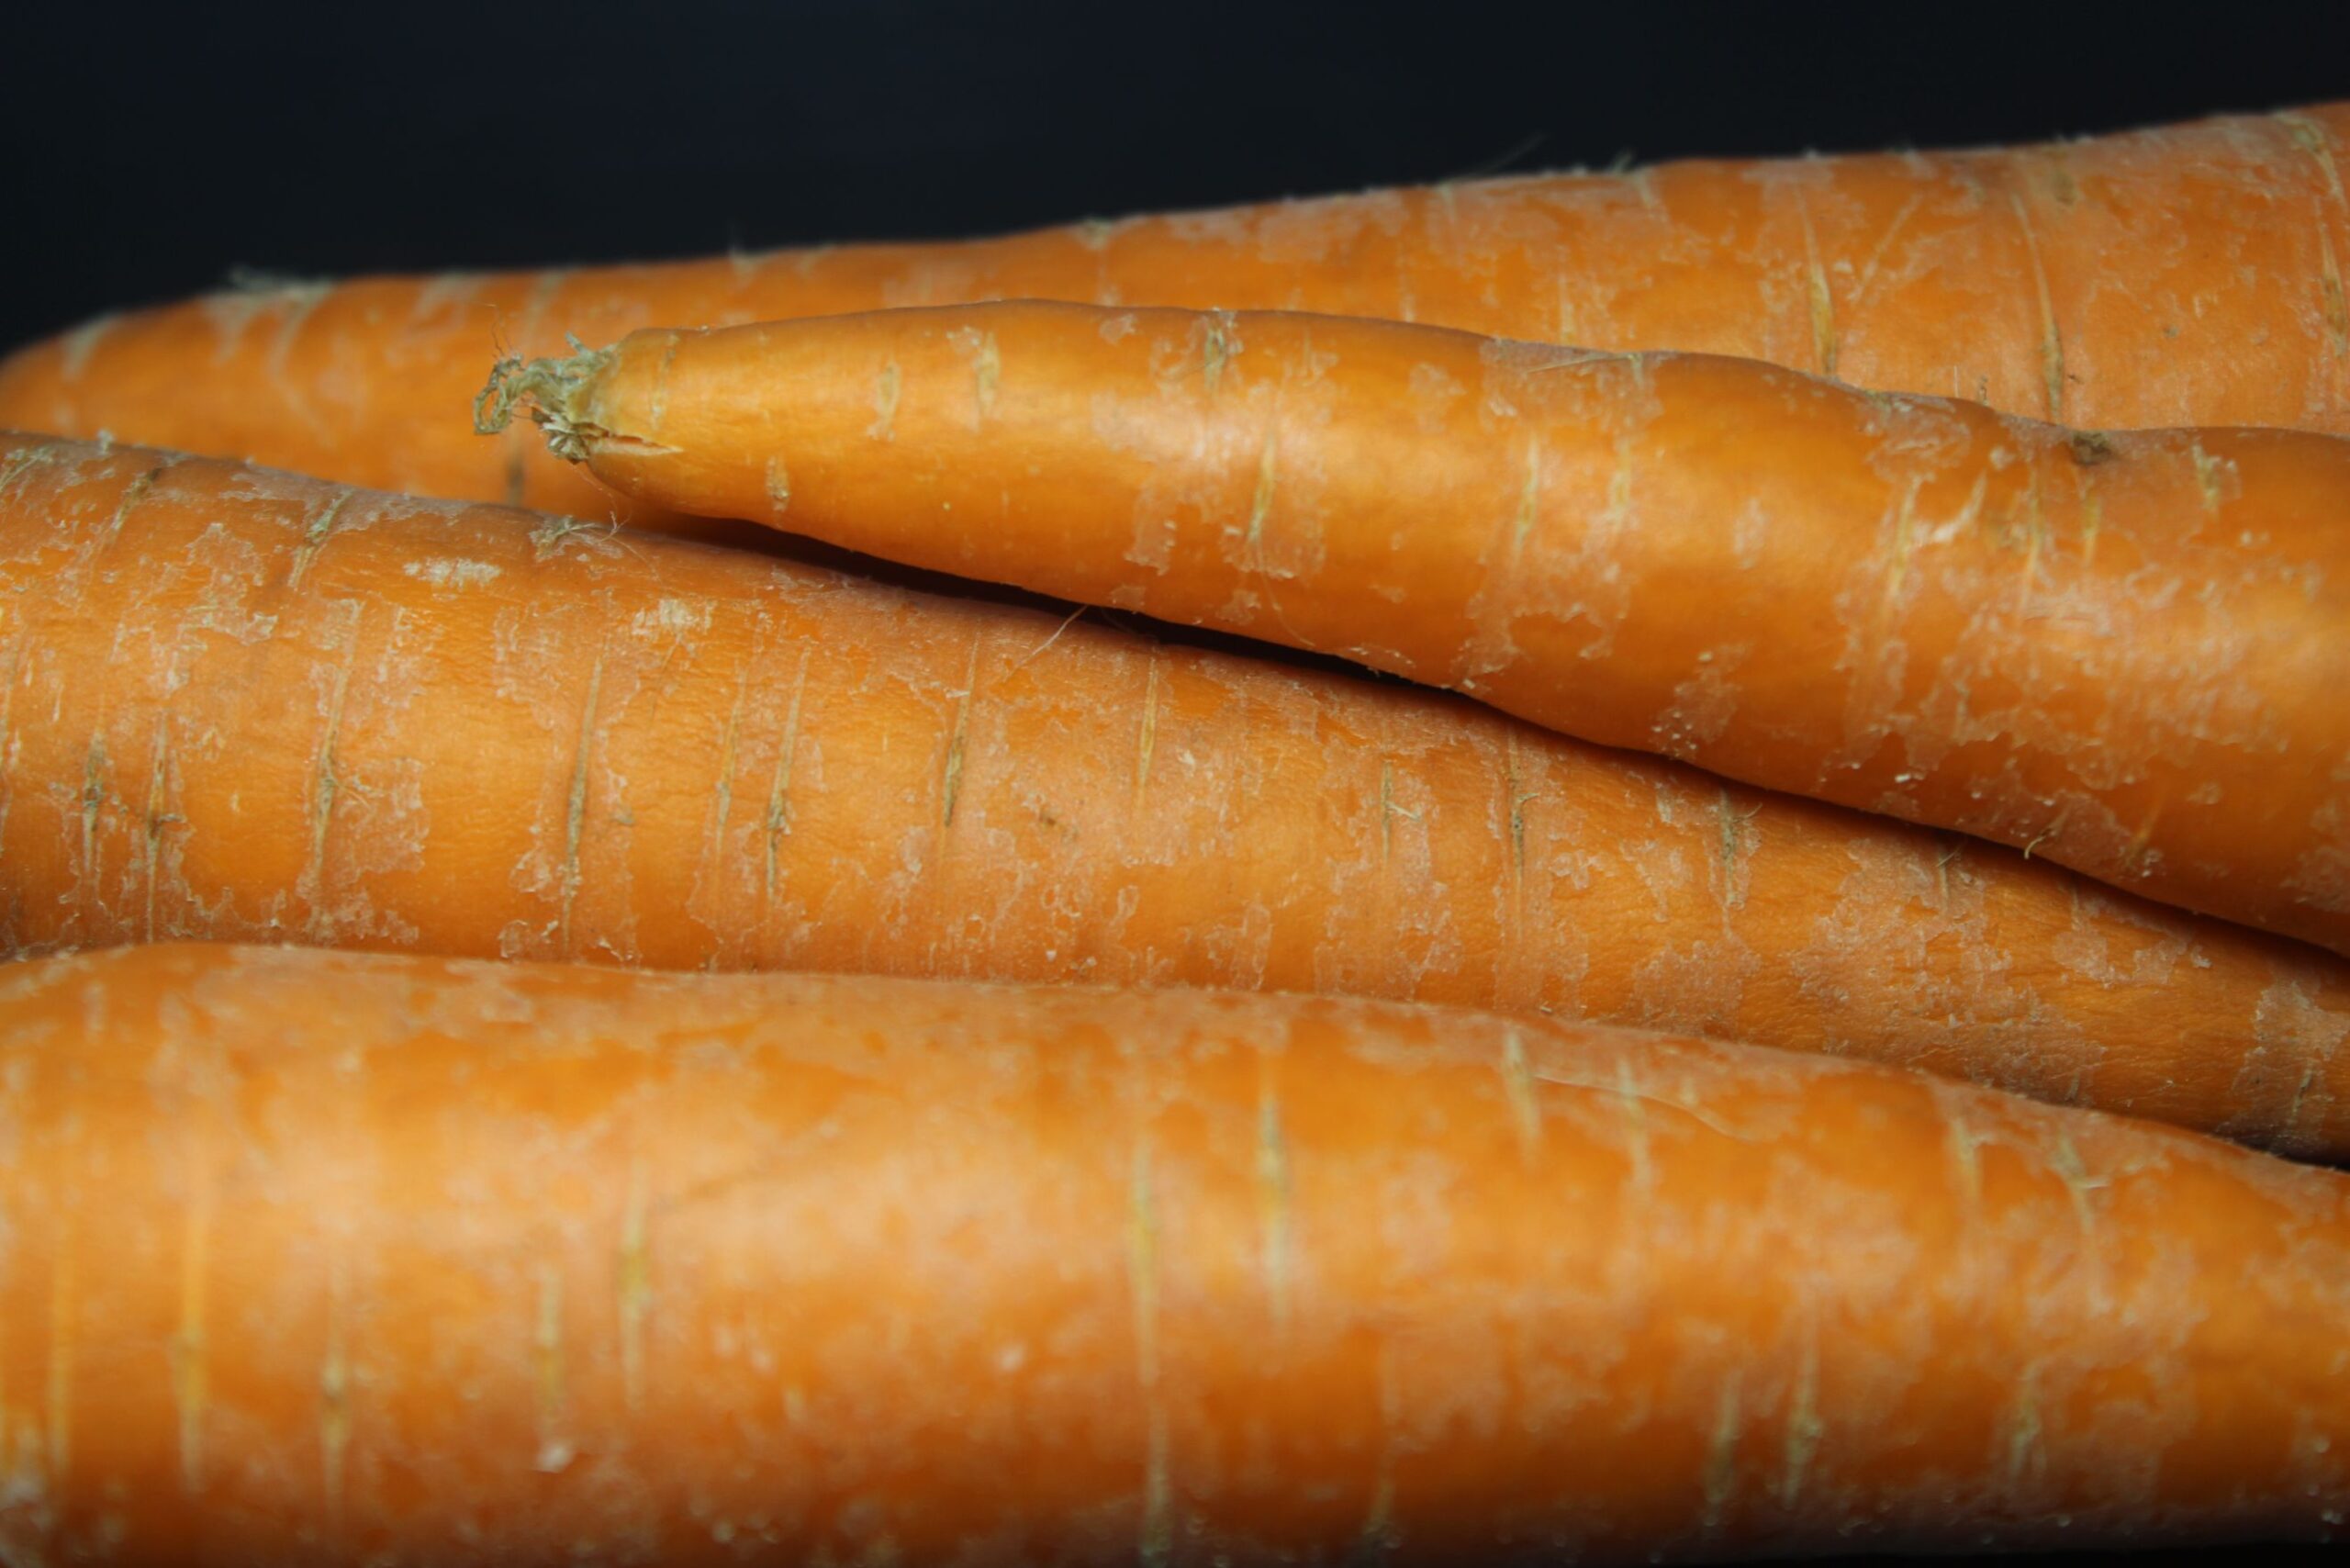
237,705
339,1257
2187,275
2125,653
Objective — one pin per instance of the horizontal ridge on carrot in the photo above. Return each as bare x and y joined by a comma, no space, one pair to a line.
2180,275
342,1258
2126,653
244,706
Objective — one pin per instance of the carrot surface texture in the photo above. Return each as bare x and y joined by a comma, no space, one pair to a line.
2126,654
240,705
2187,275
407,1261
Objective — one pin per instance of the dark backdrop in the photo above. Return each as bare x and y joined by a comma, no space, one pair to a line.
149,153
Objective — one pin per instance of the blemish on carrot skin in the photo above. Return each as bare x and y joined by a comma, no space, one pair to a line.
1633,1104
779,813
576,808
1252,541
2207,476
1823,302
1216,348
93,798
658,403
158,782
1149,723
554,1453
1273,1201
725,787
77,346
1805,1428
63,1290
2052,341
313,535
334,1399
325,784
188,1345
2026,1454
1722,1456
1156,1533
2090,448
1966,1163
885,403
25,459
635,1289
132,495
1518,1083
778,486
951,783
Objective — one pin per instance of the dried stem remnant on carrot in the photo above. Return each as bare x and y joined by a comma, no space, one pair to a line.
418,1261
2125,651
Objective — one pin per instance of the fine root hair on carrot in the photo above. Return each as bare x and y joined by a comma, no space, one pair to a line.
548,390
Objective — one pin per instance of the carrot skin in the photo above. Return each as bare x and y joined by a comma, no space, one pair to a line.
417,1261
242,706
2181,274
2123,652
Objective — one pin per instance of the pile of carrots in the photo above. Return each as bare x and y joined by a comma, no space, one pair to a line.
1629,867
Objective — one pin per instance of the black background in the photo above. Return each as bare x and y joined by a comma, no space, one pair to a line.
151,153
152,150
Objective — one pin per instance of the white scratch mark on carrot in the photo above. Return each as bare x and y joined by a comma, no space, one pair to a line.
325,784
334,1392
2025,1453
1261,505
951,784
636,1291
158,783
1149,722
658,401
132,495
885,403
1966,1163
313,535
2052,341
1273,1200
1379,1537
1632,1102
1053,636
2207,477
1722,1456
1517,1084
1156,1535
725,791
189,1378
1884,242
1805,1428
93,800
779,486
553,1453
1823,302
1216,348
778,814
575,821
63,1292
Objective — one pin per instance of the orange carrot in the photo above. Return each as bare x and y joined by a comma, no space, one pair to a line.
2127,654
345,1258
237,705
2187,275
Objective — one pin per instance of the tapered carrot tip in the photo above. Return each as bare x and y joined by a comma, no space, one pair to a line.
550,390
